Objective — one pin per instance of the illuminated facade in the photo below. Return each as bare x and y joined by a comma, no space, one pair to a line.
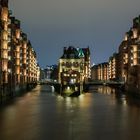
15,50
77,59
51,73
94,72
129,56
32,67
4,42
113,67
69,63
124,66
100,72
123,61
74,67
18,62
23,57
87,66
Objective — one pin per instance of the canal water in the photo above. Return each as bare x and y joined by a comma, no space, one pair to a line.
101,114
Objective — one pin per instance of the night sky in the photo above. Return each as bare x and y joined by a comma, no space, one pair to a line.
54,24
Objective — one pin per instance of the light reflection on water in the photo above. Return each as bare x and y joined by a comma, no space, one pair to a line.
114,93
102,113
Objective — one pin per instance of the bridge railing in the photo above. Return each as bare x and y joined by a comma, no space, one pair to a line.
102,82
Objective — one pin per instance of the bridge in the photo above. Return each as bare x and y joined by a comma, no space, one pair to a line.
58,87
104,82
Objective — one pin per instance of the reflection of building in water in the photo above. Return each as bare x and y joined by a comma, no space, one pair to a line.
106,90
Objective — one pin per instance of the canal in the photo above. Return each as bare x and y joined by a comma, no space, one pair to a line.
100,114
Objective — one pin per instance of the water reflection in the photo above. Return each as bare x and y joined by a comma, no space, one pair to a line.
103,113
106,90
117,96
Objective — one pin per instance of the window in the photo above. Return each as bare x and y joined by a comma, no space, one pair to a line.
5,54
